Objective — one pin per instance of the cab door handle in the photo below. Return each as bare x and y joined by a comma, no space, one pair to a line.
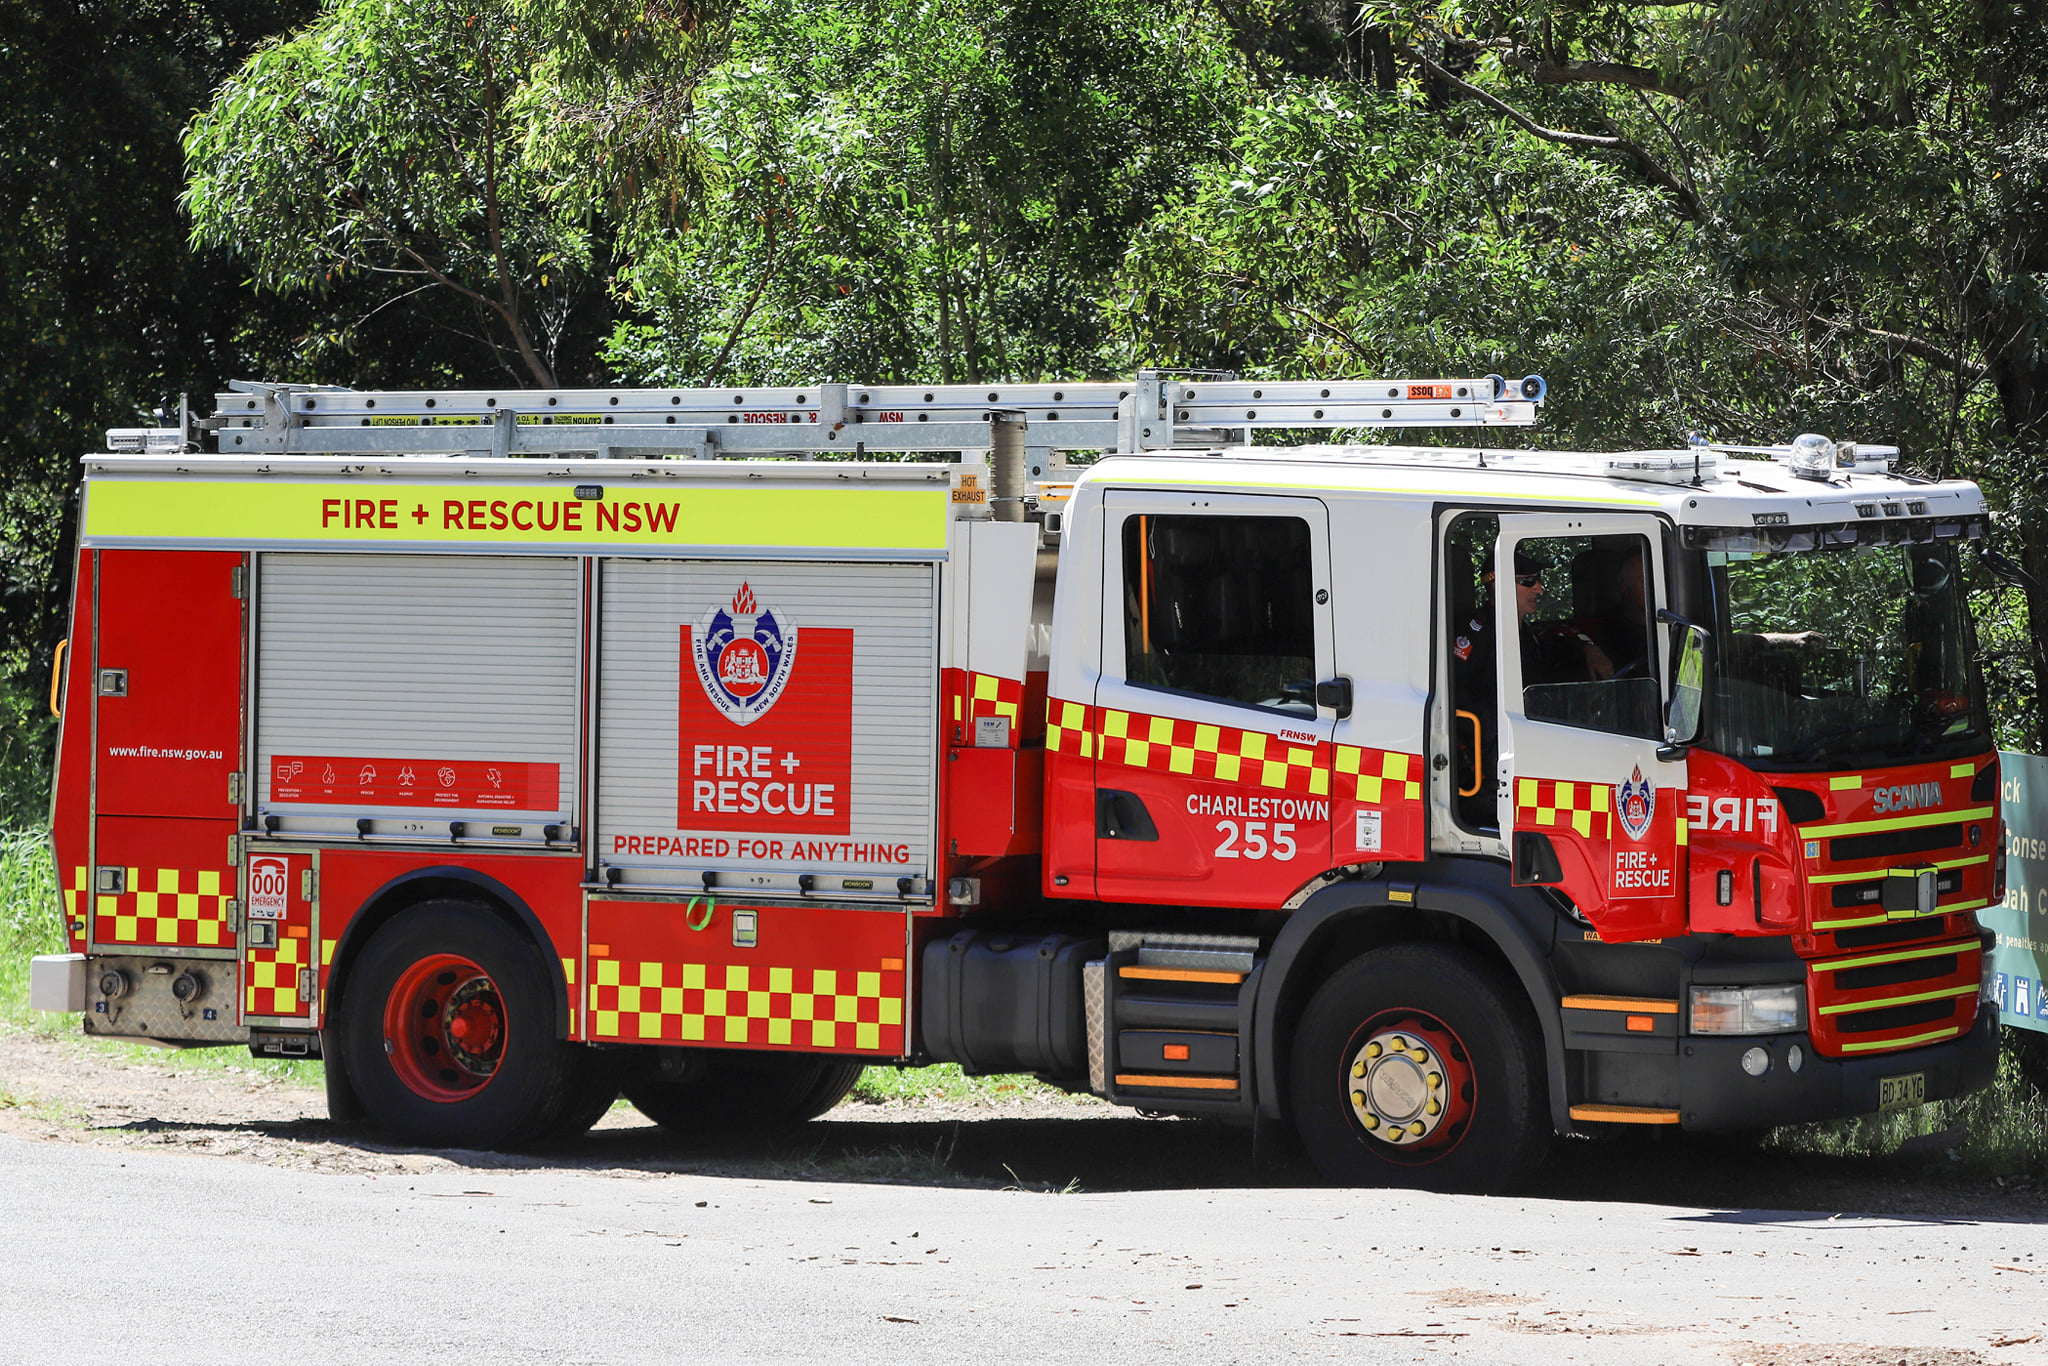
1335,693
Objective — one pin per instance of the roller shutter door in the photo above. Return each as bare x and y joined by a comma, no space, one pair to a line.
771,719
432,686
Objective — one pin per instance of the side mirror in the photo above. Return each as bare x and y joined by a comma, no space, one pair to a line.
1688,689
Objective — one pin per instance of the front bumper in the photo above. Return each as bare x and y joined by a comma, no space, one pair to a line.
1716,1094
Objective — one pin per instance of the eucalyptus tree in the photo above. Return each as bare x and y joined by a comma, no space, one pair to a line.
388,140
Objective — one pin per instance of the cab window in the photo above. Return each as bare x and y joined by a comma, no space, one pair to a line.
1221,607
1588,652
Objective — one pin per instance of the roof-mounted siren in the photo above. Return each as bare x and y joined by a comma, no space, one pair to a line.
1813,456
1528,389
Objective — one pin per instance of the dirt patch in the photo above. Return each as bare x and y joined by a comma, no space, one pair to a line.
67,1090
1458,1297
1849,1354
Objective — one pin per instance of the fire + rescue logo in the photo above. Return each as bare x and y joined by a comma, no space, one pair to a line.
744,654
1635,802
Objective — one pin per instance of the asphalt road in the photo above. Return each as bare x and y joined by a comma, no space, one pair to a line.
128,1254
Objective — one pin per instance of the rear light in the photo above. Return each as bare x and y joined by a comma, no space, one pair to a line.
1778,1009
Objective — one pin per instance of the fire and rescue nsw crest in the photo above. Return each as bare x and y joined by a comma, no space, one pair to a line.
1635,803
744,655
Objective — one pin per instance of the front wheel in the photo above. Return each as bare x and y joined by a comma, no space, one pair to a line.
448,1029
1416,1065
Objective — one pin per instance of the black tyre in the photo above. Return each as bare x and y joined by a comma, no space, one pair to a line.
741,1091
448,1031
591,1094
1418,1066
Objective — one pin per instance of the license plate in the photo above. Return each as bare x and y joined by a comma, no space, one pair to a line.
1900,1093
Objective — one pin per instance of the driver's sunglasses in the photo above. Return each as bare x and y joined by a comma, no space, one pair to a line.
1528,580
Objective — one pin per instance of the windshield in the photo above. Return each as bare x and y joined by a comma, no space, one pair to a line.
1842,656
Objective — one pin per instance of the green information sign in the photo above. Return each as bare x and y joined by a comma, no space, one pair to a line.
2019,963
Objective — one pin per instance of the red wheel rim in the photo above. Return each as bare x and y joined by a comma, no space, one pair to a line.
444,1028
1409,1086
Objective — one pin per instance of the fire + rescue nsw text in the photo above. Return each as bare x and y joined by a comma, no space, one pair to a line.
499,514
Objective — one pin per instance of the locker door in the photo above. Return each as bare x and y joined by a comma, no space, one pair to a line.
167,717
168,676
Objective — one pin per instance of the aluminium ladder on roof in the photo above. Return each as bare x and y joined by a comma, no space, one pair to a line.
1155,412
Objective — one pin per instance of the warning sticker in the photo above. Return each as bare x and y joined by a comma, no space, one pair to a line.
338,780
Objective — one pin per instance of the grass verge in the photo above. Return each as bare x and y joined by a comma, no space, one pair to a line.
2001,1131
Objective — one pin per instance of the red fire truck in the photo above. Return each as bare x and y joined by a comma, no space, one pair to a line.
515,750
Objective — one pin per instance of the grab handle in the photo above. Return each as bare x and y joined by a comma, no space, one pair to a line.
1473,790
57,678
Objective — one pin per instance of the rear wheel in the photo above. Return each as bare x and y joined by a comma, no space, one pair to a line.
1416,1066
721,1091
448,1027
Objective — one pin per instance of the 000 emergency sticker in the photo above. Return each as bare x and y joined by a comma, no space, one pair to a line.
267,888
1368,832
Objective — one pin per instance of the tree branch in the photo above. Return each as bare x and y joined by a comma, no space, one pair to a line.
739,324
1687,203
493,225
1549,71
1916,347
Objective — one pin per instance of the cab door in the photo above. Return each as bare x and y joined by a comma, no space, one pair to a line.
1213,757
1593,810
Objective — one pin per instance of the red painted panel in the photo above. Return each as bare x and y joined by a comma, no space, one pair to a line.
549,884
1069,838
814,979
993,801
275,883
1622,856
71,807
179,884
171,619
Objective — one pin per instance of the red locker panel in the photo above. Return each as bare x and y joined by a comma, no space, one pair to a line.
174,885
994,801
809,979
281,943
170,730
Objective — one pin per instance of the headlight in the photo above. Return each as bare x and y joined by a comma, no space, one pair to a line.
1987,983
1749,1010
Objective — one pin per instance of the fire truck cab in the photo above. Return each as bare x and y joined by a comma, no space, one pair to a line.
513,751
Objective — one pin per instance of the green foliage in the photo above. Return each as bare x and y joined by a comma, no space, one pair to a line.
913,189
389,139
107,311
1997,1131
31,921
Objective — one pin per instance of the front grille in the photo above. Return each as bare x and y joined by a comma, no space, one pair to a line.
1898,932
1896,1017
1891,974
1876,998
1890,843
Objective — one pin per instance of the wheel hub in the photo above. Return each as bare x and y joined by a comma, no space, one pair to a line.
444,1028
1399,1087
